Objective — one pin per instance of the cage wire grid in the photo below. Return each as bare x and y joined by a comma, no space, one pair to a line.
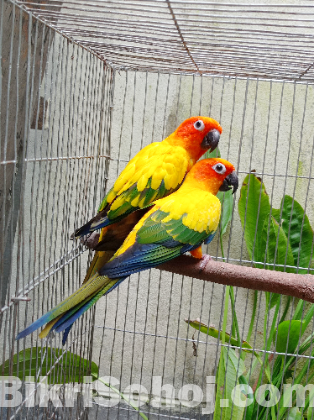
86,87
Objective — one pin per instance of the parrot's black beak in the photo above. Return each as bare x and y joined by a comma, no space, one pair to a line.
211,140
231,181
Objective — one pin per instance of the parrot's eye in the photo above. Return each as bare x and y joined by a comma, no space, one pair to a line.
219,168
199,125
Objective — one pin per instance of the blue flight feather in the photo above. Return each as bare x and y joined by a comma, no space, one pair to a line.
210,238
140,257
65,334
35,325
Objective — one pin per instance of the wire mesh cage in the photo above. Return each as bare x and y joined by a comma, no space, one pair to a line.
85,86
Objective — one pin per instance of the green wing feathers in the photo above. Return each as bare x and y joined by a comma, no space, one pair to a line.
158,229
155,172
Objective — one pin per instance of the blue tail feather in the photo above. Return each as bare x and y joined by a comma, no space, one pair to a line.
35,325
49,316
65,334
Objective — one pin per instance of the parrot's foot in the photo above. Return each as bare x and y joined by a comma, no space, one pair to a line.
197,253
91,241
203,262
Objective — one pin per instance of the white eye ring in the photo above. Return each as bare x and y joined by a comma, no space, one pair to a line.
199,125
219,168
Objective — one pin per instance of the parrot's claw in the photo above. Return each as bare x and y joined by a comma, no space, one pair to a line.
91,241
203,262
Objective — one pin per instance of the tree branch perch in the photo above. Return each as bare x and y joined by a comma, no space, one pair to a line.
297,285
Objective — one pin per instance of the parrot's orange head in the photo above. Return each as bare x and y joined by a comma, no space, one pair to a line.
213,175
197,135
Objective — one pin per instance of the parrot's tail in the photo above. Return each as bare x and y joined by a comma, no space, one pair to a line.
64,314
71,316
100,259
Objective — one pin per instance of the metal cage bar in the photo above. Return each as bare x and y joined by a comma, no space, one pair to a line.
84,87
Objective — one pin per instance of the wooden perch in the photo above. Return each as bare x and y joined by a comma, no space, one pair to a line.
297,285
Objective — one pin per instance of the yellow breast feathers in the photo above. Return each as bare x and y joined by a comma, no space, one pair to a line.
200,209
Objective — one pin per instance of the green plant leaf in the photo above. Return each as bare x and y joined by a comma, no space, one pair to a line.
231,367
254,208
295,414
292,330
226,200
249,408
199,326
69,367
213,154
274,299
238,364
276,215
309,403
122,396
300,308
277,246
300,237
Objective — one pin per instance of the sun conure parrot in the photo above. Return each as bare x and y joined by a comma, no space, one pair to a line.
174,225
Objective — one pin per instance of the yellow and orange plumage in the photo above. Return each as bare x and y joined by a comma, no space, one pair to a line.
174,225
156,171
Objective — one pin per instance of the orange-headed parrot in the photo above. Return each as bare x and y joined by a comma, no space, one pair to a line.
175,224
156,171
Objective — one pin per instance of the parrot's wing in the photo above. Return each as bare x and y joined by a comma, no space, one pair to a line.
158,240
155,172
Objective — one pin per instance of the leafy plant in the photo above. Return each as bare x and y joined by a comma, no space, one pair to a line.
58,365
283,244
276,239
123,397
